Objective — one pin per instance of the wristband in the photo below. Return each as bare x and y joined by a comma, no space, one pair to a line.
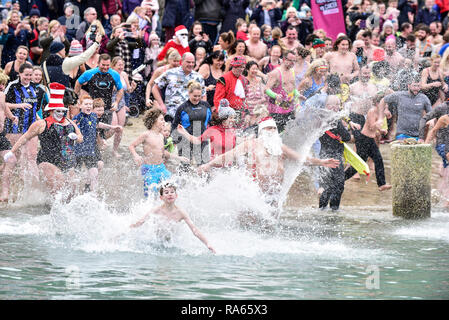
270,93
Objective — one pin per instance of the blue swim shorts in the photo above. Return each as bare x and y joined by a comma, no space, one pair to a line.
153,174
440,148
404,136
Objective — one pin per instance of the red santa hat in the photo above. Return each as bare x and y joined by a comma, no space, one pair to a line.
180,30
266,122
56,97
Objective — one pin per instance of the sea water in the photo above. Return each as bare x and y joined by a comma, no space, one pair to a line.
85,249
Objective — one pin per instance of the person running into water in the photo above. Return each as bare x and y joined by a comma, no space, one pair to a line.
152,165
85,152
367,147
5,145
221,135
172,213
57,134
443,150
333,181
266,155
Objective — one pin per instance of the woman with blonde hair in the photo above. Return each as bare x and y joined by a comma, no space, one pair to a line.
19,33
89,37
432,81
194,115
171,60
314,79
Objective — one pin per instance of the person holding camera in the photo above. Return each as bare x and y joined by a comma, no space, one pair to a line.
120,46
267,12
19,33
94,28
198,38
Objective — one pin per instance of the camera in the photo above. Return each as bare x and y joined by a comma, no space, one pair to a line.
93,32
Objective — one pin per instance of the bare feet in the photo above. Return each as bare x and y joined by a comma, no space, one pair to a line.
385,187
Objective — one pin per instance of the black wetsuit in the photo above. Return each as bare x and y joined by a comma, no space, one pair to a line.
195,119
333,180
56,147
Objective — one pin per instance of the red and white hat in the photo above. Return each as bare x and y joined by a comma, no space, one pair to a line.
56,97
266,122
181,30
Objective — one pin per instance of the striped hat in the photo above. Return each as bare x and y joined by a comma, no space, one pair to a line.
56,97
75,48
238,61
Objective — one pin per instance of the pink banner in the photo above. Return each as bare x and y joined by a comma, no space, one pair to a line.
328,15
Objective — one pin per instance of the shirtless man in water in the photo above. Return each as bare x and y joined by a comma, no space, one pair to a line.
152,165
172,213
362,93
265,159
342,61
256,48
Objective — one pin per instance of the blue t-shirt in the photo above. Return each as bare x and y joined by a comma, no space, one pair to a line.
101,85
88,127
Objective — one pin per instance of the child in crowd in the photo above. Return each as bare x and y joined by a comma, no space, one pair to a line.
172,213
85,152
242,29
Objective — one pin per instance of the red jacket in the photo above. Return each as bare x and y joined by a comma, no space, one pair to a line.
443,4
224,89
172,44
111,7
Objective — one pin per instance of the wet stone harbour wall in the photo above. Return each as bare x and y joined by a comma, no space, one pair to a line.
411,179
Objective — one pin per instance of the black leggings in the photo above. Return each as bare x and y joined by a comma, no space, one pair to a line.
333,183
366,147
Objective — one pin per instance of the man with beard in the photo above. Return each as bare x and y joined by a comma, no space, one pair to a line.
424,45
393,57
434,37
408,109
265,156
257,49
362,93
180,42
342,61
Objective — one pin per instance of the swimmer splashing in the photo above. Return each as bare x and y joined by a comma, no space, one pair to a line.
172,213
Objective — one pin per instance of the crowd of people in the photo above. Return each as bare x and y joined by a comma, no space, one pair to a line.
217,81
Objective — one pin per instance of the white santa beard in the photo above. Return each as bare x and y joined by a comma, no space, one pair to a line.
272,142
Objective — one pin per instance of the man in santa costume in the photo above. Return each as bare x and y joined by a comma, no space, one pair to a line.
180,42
233,86
265,158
